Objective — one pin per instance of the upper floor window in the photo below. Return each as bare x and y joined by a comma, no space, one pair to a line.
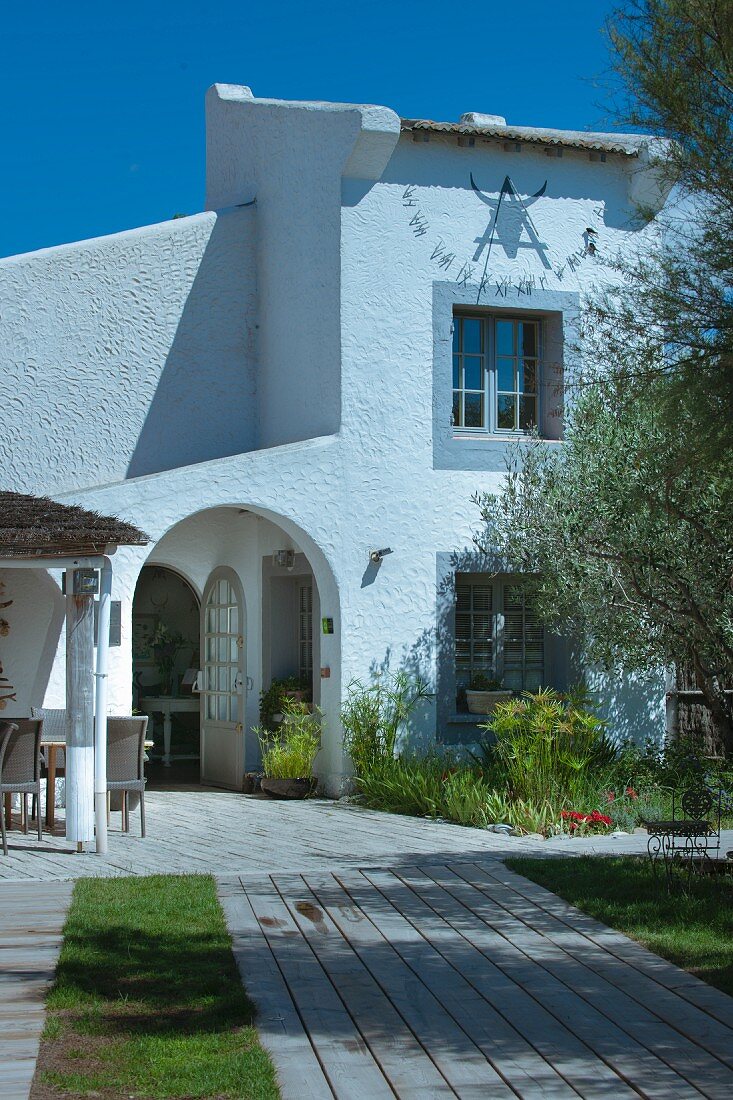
496,367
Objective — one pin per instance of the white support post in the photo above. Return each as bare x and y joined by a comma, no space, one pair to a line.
80,716
100,709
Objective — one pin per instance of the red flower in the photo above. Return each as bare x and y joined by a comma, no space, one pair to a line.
631,792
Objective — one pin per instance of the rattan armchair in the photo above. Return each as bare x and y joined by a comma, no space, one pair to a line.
20,767
125,763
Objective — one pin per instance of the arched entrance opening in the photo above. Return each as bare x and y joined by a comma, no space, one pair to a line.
265,590
165,662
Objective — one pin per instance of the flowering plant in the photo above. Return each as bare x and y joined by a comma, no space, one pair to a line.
576,820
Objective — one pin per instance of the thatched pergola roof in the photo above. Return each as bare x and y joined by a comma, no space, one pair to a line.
39,527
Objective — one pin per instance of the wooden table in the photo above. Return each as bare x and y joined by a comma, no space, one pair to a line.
167,705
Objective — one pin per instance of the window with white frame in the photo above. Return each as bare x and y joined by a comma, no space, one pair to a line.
497,633
496,369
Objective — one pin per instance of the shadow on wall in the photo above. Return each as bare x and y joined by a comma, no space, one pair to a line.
35,620
204,406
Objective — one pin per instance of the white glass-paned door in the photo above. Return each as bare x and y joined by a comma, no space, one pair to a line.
223,681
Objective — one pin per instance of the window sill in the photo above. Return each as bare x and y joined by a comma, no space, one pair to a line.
489,437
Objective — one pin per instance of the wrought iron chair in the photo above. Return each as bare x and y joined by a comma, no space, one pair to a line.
690,839
126,763
20,767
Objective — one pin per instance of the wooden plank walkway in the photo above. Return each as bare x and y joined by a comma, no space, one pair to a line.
32,916
460,978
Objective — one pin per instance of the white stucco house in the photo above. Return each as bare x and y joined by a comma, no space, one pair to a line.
326,362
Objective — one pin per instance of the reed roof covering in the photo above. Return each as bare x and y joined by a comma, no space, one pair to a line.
32,526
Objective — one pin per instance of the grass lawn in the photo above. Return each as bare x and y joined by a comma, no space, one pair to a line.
148,1001
695,931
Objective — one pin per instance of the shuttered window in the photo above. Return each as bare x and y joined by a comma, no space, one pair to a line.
524,642
474,627
305,631
498,633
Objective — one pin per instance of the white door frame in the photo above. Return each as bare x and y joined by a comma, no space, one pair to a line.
223,679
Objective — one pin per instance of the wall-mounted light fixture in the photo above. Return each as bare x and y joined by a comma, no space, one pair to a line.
284,559
377,555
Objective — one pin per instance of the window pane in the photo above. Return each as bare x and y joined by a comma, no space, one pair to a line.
472,342
233,620
223,648
456,334
223,621
472,372
456,372
235,708
505,338
527,376
527,413
233,650
457,409
527,338
505,374
211,649
222,592
505,415
210,621
474,410
222,708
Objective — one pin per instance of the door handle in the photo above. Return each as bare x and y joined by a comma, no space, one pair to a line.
238,682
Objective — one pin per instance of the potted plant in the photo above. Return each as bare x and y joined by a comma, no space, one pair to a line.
166,644
273,701
288,752
483,693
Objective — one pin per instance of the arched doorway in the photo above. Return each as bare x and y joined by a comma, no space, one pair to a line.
166,658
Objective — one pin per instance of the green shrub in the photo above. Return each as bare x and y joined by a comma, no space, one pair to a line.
373,714
289,751
273,700
551,748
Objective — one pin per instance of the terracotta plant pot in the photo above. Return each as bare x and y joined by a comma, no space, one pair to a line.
288,788
483,702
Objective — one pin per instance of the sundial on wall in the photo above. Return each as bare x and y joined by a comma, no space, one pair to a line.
514,236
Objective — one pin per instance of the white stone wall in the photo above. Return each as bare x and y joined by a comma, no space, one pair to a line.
317,394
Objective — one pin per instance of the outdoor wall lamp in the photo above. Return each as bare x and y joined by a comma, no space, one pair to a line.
377,555
284,559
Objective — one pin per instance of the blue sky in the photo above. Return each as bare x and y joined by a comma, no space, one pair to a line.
103,105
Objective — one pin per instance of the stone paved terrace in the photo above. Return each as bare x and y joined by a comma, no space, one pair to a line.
222,833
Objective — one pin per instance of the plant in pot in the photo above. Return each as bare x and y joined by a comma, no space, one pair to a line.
280,692
483,693
288,752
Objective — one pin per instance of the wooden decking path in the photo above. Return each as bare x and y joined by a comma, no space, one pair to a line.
31,920
463,979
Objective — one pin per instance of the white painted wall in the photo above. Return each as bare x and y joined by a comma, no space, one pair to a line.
347,444
128,354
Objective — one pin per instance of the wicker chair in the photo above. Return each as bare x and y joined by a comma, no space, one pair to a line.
125,763
54,729
20,767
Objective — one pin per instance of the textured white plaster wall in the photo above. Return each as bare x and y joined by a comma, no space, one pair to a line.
28,651
128,354
355,334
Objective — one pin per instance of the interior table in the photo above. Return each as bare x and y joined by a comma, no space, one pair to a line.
167,705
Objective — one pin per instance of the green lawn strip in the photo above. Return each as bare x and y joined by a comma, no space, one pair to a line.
148,1000
694,930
